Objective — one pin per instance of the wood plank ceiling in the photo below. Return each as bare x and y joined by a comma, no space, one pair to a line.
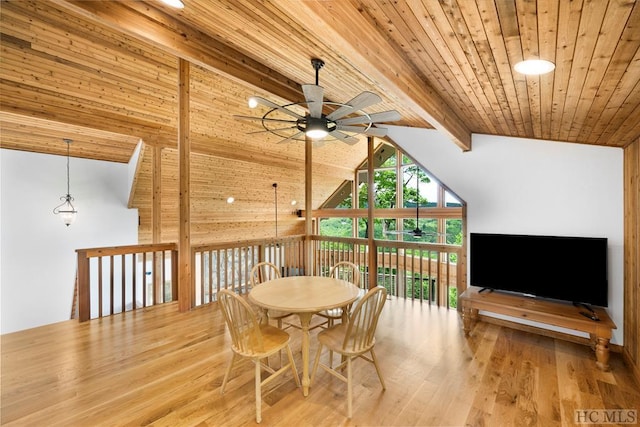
104,73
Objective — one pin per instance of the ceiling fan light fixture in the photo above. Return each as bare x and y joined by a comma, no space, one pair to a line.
534,67
178,4
316,128
317,133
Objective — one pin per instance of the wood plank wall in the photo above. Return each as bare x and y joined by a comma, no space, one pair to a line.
632,256
213,179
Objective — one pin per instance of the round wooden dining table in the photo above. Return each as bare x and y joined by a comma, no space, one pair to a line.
304,296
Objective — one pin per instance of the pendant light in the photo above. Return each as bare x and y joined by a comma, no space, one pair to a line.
66,210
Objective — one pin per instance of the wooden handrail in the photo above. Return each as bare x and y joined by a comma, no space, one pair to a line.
402,267
130,249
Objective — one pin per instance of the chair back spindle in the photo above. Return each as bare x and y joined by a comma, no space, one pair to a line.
242,323
346,270
262,272
363,322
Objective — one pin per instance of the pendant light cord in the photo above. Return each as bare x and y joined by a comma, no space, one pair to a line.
275,191
68,141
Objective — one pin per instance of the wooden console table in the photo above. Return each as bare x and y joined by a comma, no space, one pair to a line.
565,315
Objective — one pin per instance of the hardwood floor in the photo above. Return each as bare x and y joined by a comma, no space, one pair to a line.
164,368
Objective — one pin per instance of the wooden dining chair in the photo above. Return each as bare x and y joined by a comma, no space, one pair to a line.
262,272
254,341
350,272
353,339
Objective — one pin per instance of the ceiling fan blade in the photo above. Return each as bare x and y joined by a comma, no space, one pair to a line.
291,138
275,106
351,140
363,100
385,116
263,119
314,95
272,130
358,129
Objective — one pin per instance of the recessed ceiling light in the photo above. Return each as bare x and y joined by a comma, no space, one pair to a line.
534,67
230,200
178,4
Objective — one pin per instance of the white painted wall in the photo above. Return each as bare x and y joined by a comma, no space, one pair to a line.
37,251
525,186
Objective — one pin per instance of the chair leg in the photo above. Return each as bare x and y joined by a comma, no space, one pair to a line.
258,391
375,363
349,387
226,375
315,364
293,366
280,351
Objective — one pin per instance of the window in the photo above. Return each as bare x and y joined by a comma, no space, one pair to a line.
408,192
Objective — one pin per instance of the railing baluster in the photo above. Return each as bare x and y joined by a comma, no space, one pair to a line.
154,277
163,278
218,270
420,278
134,280
210,274
111,285
99,286
431,287
123,283
198,273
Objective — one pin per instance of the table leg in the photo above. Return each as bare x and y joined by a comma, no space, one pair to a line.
469,318
602,353
305,320
466,320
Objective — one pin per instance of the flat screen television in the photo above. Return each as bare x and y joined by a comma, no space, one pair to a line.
564,268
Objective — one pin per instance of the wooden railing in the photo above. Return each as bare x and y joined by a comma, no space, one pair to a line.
423,271
228,265
117,279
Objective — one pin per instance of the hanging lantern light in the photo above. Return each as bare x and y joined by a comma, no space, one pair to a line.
66,210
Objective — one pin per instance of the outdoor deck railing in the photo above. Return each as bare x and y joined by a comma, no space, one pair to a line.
116,279
423,271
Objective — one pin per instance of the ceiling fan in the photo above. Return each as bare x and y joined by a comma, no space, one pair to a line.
416,232
323,119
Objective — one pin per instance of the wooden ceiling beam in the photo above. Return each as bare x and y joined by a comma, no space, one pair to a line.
170,35
369,51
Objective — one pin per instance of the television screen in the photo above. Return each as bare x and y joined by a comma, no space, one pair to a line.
564,268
